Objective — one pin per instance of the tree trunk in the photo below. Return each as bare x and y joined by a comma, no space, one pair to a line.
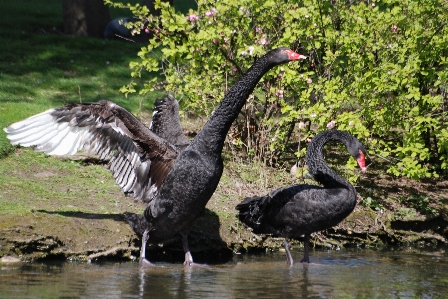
85,17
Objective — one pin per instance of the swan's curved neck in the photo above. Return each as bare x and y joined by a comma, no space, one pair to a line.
214,132
317,166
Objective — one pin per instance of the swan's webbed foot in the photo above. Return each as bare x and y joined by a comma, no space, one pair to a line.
289,259
188,257
189,262
143,261
305,260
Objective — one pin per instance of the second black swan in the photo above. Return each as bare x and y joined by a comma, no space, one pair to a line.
175,177
298,210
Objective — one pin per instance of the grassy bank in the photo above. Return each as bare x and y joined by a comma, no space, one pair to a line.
41,68
63,208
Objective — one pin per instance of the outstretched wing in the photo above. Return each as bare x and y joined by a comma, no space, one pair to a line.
138,158
166,122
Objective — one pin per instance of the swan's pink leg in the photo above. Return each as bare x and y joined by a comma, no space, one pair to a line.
143,261
288,253
188,257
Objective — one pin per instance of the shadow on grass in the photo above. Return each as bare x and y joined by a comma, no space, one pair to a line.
83,215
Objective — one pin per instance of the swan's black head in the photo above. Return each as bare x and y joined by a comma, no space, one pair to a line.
358,151
284,54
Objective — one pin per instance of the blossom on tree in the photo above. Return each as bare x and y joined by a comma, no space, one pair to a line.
192,17
211,12
251,50
331,124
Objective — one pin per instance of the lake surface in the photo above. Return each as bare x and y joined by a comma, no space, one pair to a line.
349,273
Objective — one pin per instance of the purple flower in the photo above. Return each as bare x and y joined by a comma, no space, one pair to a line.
373,4
211,12
309,80
279,93
192,18
394,28
263,40
301,124
331,124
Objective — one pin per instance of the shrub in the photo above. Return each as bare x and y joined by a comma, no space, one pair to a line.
378,70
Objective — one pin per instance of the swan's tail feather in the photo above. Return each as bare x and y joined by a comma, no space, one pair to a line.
250,211
137,222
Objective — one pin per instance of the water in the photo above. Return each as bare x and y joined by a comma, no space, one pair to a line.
356,273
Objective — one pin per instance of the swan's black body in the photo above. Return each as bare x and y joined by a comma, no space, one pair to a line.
159,166
299,210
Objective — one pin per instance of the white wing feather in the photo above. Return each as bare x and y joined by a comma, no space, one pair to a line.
50,135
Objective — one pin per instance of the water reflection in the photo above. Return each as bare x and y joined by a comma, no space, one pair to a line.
341,274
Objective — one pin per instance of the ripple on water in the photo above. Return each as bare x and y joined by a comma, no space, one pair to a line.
331,274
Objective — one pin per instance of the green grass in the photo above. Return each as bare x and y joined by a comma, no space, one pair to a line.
34,180
41,68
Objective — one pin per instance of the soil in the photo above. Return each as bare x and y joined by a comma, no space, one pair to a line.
86,222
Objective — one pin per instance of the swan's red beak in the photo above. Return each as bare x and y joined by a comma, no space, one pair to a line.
294,56
362,161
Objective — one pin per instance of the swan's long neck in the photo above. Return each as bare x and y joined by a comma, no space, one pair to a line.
317,166
214,132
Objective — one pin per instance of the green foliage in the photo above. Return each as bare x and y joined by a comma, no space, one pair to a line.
372,203
378,70
406,213
421,203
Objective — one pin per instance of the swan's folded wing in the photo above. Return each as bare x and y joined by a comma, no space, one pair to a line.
138,159
166,122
